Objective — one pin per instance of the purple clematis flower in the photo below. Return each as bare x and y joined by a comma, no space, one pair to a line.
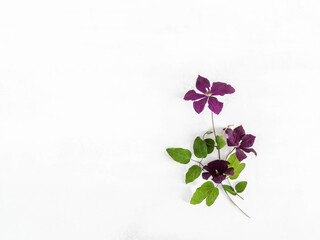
217,169
241,141
203,85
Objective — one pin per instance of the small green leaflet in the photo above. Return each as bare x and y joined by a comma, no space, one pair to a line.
193,173
220,142
212,196
200,148
208,132
180,155
229,189
210,145
241,186
207,190
238,167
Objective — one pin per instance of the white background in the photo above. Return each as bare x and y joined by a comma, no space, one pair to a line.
91,95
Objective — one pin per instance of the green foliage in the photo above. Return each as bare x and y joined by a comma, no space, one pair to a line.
235,163
241,186
207,190
193,173
220,142
229,189
180,155
212,196
200,148
210,145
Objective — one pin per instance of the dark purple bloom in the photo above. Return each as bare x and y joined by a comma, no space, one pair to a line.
241,141
217,169
203,85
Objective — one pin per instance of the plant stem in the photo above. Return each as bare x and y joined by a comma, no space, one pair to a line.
230,153
197,162
214,132
204,135
234,203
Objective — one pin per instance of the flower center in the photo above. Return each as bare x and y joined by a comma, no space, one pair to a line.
208,93
217,172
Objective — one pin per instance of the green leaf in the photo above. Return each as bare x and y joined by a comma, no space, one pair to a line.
193,173
200,148
229,189
212,196
241,186
210,145
180,155
202,192
220,142
235,163
238,171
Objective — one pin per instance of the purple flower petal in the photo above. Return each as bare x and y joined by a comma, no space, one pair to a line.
238,133
206,175
192,95
199,105
220,165
212,165
230,143
202,84
231,140
206,168
240,155
219,88
224,165
229,132
217,169
214,105
229,171
218,179
248,150
247,141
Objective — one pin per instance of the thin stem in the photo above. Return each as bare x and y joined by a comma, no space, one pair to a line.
235,204
214,132
204,135
230,153
235,191
197,162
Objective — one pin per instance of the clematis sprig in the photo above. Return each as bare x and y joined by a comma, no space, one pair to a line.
216,170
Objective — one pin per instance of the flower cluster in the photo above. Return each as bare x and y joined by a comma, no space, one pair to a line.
221,170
